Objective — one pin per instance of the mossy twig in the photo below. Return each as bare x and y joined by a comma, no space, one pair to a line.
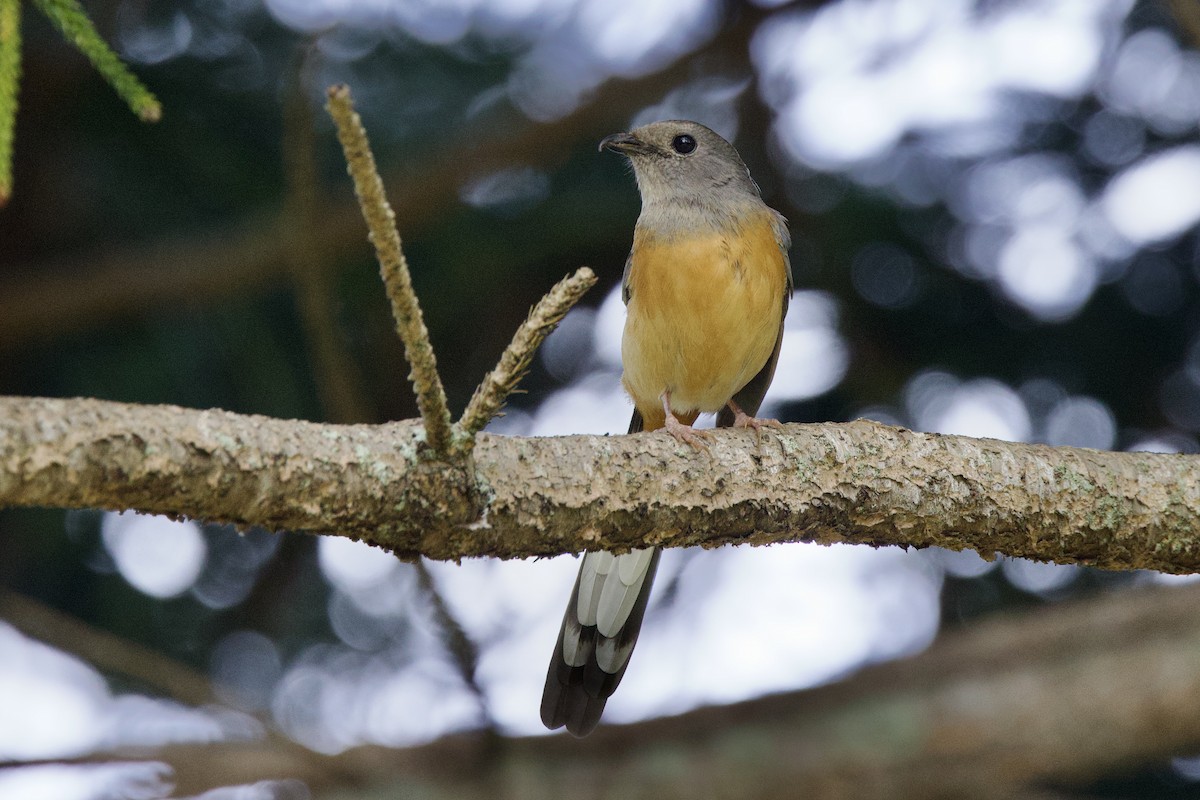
10,76
381,221
498,384
70,18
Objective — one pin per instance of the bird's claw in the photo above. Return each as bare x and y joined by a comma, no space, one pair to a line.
686,434
743,420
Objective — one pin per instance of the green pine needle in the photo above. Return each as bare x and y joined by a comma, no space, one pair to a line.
71,19
10,74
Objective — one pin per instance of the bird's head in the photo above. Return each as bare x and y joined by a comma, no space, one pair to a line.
683,162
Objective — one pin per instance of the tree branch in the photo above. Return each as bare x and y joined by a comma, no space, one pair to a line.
855,482
111,653
1055,698
105,650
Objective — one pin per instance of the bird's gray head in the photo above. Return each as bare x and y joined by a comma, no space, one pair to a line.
683,163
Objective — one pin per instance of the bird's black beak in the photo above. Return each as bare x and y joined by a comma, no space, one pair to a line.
625,143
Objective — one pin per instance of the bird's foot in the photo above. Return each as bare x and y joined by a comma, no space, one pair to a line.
682,432
686,434
743,420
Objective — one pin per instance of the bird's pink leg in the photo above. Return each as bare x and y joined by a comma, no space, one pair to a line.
682,432
743,420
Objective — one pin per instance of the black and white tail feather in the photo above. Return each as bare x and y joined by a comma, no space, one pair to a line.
599,630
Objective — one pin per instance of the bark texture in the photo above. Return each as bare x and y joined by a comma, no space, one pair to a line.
513,497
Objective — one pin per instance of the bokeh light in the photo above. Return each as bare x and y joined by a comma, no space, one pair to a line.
66,708
128,781
813,357
885,275
245,668
507,192
58,699
157,555
354,567
1038,577
939,403
1157,197
1081,422
961,563
866,74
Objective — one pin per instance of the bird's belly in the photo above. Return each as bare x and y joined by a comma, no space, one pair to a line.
703,319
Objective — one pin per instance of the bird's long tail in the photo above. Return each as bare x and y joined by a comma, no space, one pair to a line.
599,630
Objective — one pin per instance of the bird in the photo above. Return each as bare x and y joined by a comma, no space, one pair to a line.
706,289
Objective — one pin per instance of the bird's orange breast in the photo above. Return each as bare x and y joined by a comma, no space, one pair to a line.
703,317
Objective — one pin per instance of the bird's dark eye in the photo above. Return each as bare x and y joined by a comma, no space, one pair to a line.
683,144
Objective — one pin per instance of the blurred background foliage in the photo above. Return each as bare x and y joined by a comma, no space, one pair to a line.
993,204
